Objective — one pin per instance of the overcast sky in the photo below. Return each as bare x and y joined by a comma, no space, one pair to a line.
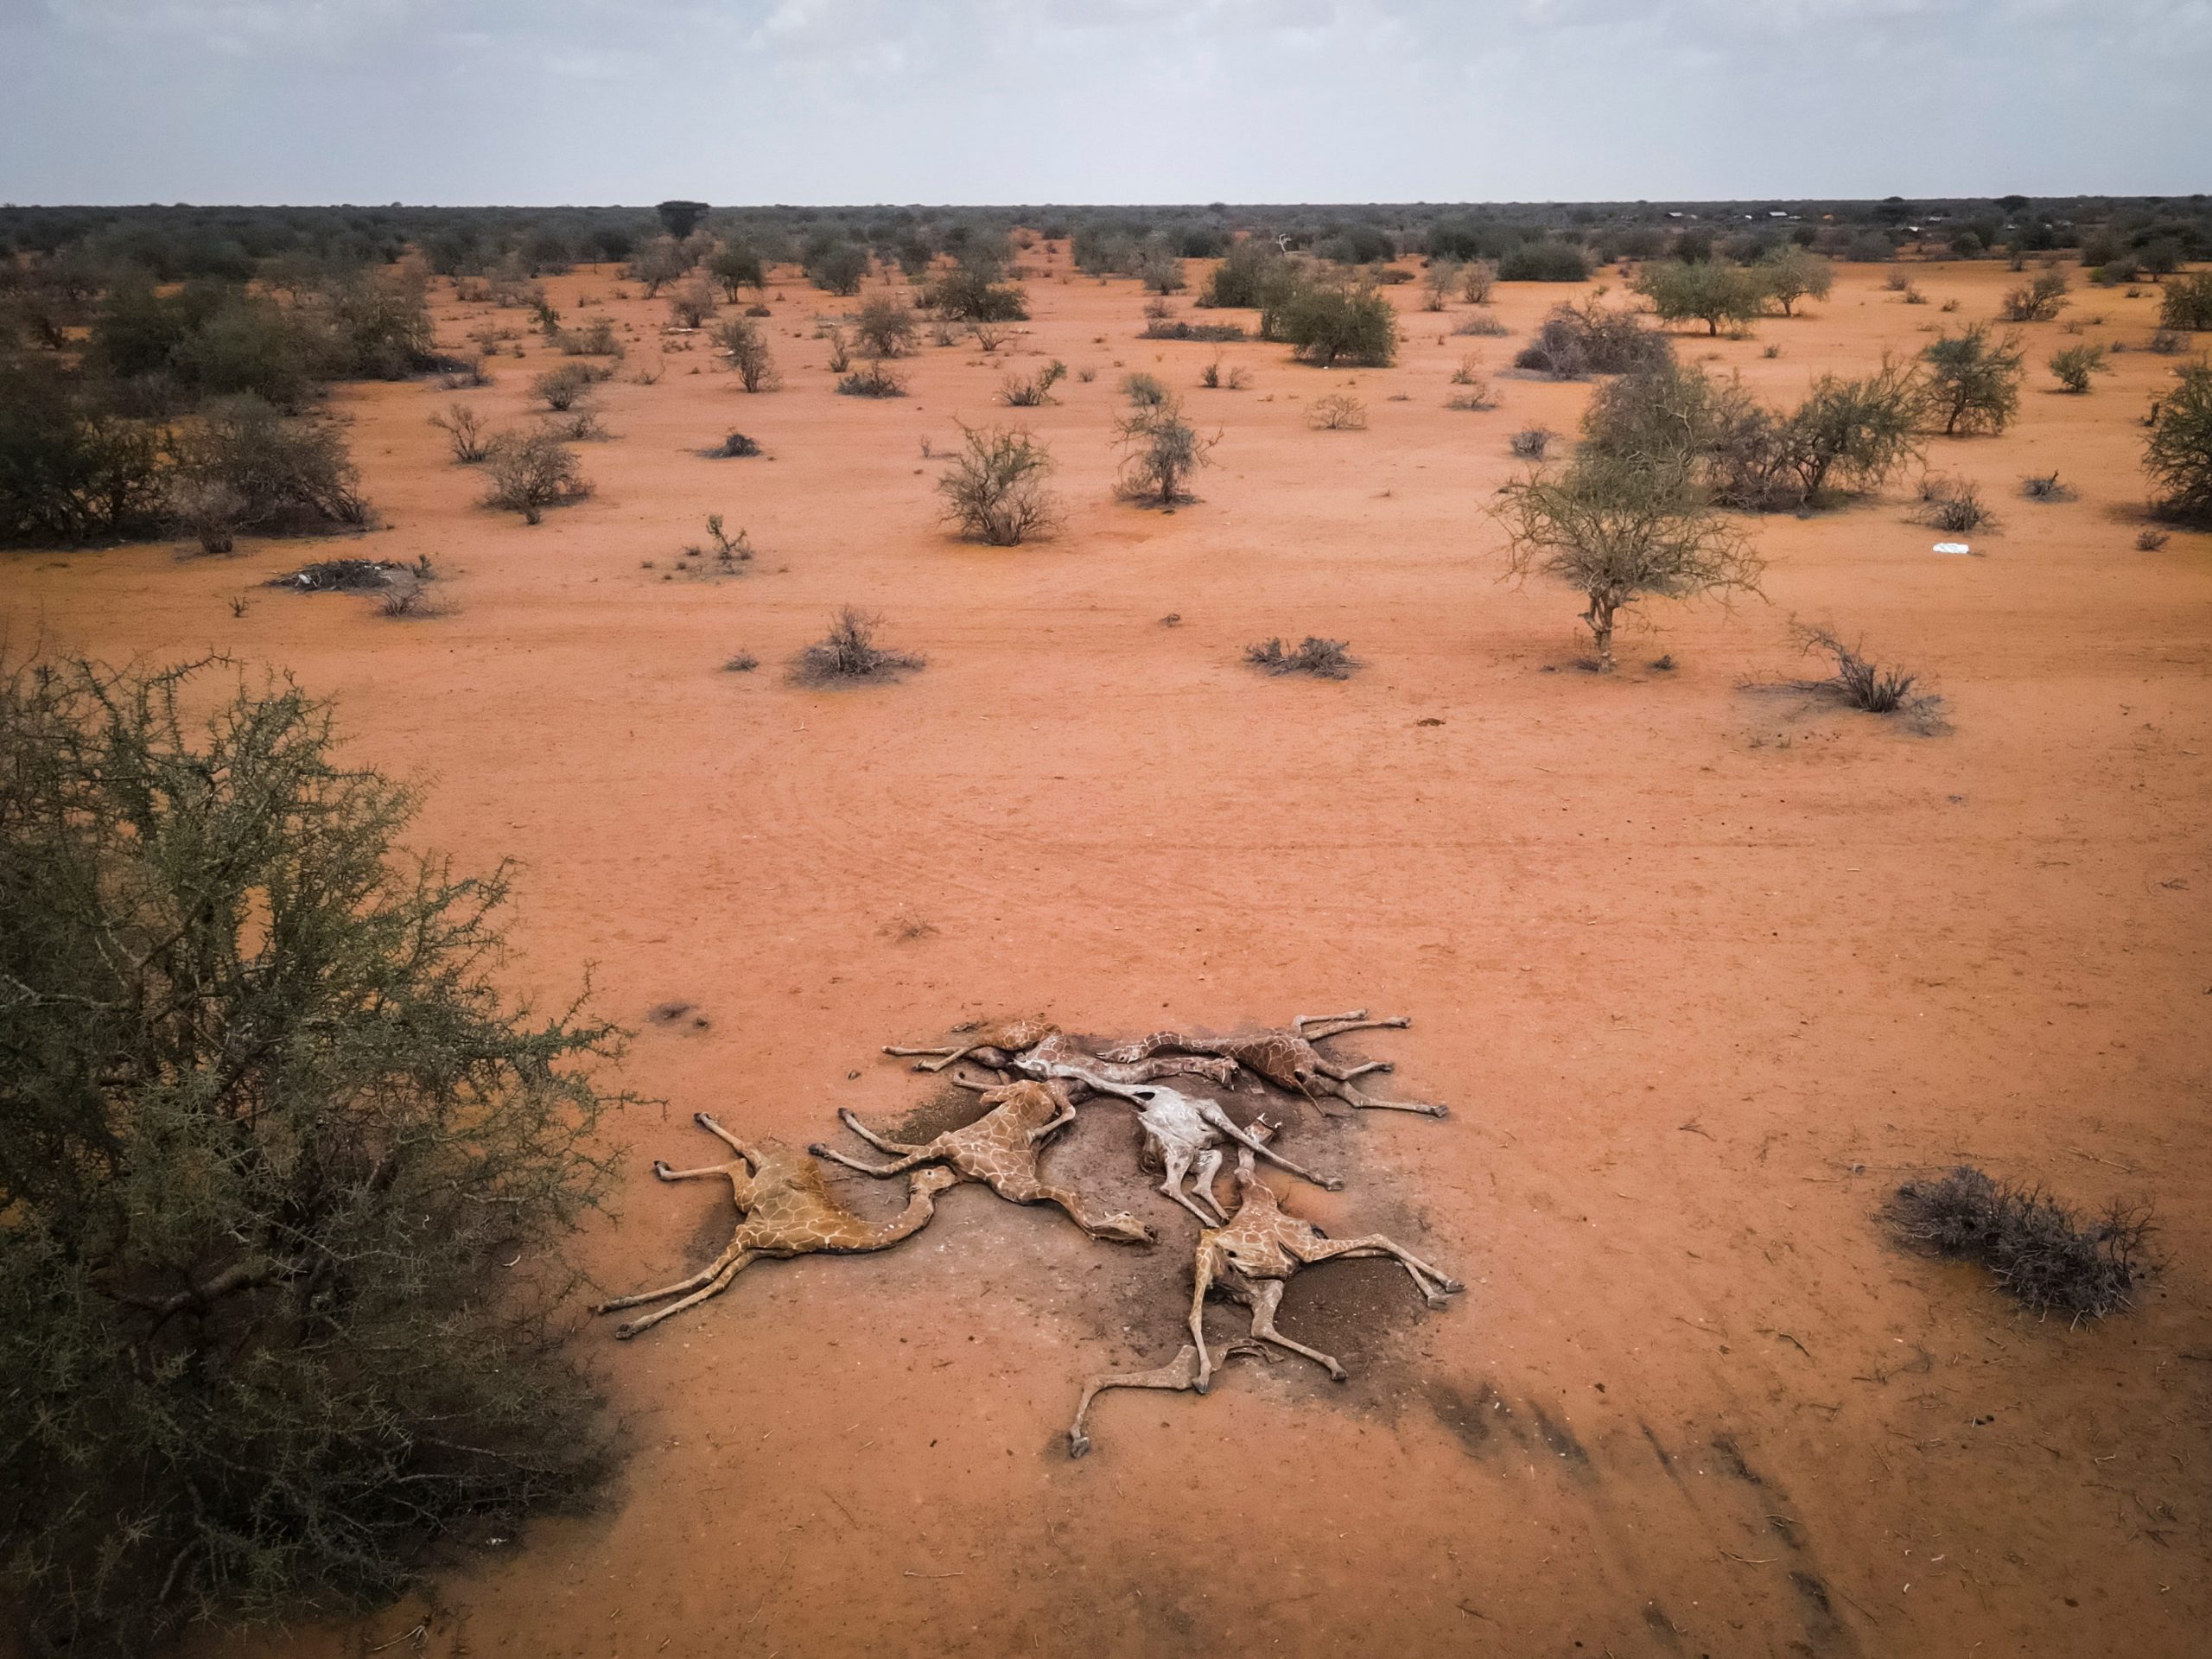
843,101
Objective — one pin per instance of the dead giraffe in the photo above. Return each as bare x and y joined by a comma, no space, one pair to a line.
1252,1258
784,1210
1002,1149
1288,1059
1039,1049
1008,1036
1181,1130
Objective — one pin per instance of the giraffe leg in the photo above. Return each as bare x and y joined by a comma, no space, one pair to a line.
1204,1266
1209,1166
896,1148
749,1154
1298,1022
1340,1023
1223,1122
1367,1102
714,1286
1266,1295
1346,1073
1178,1376
668,1174
897,1166
1433,1285
1120,1226
940,1058
1143,1049
1178,1165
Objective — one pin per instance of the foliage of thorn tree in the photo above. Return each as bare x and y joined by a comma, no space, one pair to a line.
1974,381
993,487
285,1176
2187,303
736,265
837,267
679,217
1792,273
659,263
1710,291
1619,534
2178,453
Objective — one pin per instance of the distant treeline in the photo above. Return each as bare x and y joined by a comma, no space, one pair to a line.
173,244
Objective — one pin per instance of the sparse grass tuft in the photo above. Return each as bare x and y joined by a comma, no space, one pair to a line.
873,381
1530,442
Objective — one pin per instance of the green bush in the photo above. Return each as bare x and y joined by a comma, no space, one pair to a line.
273,1134
70,472
962,295
2178,453
1547,261
2039,300
1241,278
1792,273
2187,302
837,267
885,326
2074,364
1326,324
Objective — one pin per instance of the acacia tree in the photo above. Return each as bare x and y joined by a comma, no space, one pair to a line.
1792,273
735,265
1973,382
659,263
2178,453
1619,533
1709,291
269,1135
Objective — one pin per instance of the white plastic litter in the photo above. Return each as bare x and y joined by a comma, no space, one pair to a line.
1952,547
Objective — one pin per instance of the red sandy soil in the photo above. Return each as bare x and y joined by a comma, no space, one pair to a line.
1703,973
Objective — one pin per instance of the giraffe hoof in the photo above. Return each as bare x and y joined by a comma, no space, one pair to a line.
1333,1183
1203,1385
1439,1112
660,1169
1337,1374
700,1118
1078,1445
1436,1299
1452,1286
624,1332
816,1149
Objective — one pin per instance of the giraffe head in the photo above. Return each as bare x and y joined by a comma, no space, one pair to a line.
1248,1169
931,1180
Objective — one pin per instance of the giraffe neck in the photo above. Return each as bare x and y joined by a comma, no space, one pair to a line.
920,1206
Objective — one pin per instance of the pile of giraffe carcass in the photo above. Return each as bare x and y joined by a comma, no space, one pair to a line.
1247,1251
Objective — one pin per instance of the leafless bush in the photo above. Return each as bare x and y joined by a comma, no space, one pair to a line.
885,326
531,471
994,489
1863,684
209,508
1954,505
559,389
1338,412
746,347
1215,377
2040,1250
2149,541
465,432
876,380
1482,325
2044,487
1325,659
736,445
849,653
1531,443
